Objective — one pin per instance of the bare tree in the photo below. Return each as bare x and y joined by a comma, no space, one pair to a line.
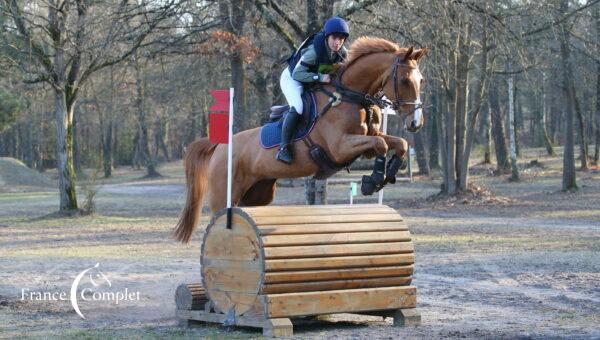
569,178
72,41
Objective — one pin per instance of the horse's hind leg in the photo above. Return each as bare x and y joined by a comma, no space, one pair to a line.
261,193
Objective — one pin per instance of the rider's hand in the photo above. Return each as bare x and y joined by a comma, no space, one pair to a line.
326,78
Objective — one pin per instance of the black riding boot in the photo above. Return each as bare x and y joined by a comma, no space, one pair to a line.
373,183
287,134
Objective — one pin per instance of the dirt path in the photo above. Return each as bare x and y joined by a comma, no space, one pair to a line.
488,271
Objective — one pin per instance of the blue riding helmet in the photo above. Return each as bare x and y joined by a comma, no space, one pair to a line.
336,25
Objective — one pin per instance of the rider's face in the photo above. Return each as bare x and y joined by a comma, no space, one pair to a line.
335,42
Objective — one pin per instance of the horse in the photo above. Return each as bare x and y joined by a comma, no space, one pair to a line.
374,67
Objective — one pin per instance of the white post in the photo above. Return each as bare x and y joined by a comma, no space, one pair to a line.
230,148
351,196
384,124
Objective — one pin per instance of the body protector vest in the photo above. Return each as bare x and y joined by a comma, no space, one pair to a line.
324,61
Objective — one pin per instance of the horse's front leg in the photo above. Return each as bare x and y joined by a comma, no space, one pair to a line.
398,161
400,145
350,146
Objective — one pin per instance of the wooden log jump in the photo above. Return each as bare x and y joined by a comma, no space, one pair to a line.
277,263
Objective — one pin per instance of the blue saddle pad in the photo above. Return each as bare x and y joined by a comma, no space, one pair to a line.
270,133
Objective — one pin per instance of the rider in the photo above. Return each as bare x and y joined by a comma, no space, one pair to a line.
311,63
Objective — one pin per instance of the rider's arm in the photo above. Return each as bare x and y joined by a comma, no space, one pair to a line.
301,71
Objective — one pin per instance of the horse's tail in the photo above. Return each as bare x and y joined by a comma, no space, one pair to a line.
197,157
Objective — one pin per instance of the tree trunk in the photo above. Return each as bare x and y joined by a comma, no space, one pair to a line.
487,136
569,178
518,117
64,151
233,13
498,133
107,149
511,122
160,134
583,148
433,134
450,143
597,148
422,158
76,146
326,10
542,121
28,145
479,96
461,107
313,20
144,147
440,131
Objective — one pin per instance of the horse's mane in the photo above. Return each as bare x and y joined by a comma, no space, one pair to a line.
367,45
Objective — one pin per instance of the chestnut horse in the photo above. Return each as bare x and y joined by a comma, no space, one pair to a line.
373,66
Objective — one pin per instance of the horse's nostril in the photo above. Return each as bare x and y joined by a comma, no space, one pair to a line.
413,125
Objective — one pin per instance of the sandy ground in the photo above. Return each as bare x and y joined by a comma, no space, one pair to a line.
521,263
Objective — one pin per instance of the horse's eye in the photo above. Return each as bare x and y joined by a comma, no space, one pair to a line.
405,82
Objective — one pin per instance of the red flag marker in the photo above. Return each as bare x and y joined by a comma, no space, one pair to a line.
218,119
221,103
218,128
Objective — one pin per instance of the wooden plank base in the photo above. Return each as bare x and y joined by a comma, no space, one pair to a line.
283,327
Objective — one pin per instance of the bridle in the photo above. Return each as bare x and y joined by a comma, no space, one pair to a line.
398,103
378,99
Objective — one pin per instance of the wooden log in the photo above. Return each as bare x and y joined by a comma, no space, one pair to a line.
336,274
303,211
232,264
340,301
190,296
338,238
338,250
328,218
279,288
339,262
328,228
278,260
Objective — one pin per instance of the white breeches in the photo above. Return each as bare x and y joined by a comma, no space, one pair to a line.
292,90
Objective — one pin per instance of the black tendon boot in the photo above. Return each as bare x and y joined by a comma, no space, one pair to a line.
373,183
287,134
395,163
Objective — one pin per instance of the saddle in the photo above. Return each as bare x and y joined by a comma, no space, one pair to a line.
270,133
278,111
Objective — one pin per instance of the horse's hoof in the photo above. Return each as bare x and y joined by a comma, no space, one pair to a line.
367,187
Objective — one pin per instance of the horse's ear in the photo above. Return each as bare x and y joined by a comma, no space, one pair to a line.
419,54
408,54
